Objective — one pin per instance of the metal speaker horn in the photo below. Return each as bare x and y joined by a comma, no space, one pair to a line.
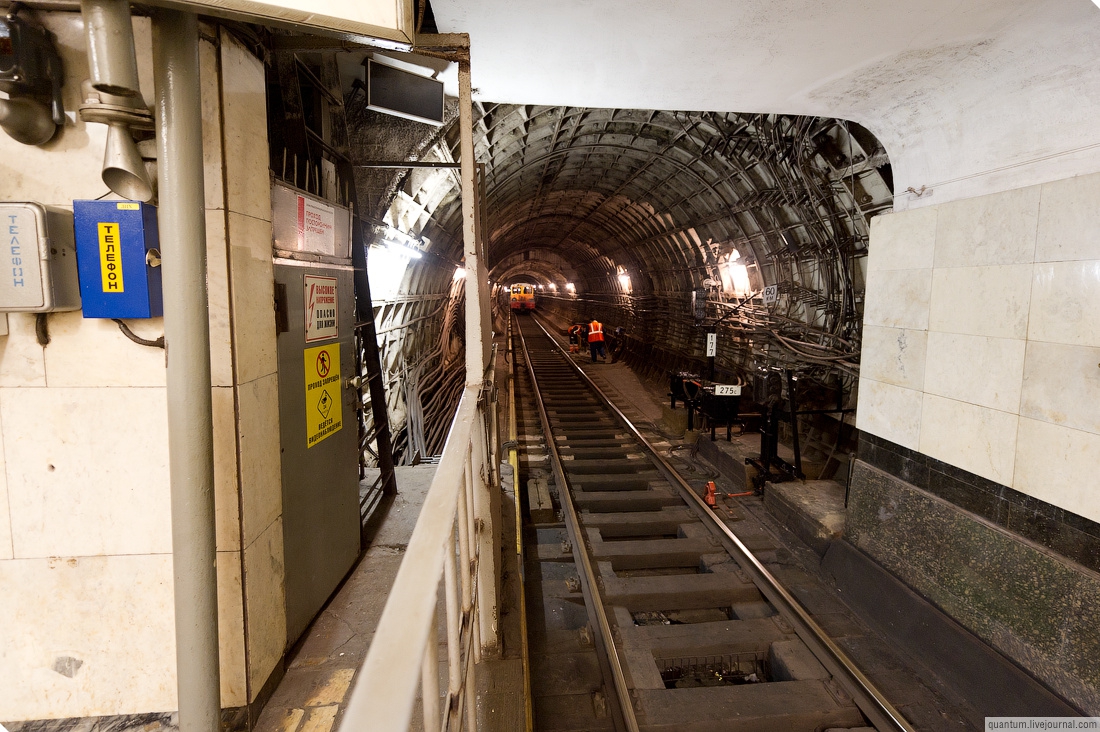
123,169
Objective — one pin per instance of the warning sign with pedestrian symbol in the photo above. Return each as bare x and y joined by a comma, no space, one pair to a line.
324,415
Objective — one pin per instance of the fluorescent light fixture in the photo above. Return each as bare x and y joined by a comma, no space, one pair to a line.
553,286
570,286
460,273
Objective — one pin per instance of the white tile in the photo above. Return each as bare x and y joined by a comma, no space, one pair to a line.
1069,220
970,437
244,111
988,301
226,497
212,162
1065,303
217,297
22,361
261,464
903,240
1062,385
898,298
265,580
87,471
252,292
94,352
87,636
6,549
988,230
231,655
891,412
1058,465
893,355
975,369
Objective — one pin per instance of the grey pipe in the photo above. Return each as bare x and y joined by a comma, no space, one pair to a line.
187,336
109,34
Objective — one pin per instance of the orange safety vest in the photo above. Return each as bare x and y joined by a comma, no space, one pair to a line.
595,332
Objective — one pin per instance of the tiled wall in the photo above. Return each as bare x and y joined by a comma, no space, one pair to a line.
86,608
982,338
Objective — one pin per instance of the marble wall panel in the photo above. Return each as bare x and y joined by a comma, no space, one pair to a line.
1062,385
261,466
974,438
244,110
252,293
894,355
898,299
1065,301
986,301
7,551
265,587
902,240
217,288
226,487
1058,465
22,360
1069,220
231,656
94,352
975,369
988,230
87,471
87,636
889,411
212,159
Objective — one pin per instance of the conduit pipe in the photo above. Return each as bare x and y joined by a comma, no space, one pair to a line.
187,337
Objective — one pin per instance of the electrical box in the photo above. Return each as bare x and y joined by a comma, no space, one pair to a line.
38,268
117,248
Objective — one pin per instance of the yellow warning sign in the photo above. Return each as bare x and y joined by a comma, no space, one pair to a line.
110,261
324,416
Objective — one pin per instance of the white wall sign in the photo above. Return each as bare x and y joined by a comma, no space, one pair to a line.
712,344
316,227
771,294
322,321
727,390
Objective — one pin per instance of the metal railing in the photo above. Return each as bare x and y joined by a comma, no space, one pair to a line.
404,655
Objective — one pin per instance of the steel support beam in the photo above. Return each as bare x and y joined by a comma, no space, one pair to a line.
182,224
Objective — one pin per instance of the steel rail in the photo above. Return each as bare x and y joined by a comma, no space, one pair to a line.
513,460
866,696
588,575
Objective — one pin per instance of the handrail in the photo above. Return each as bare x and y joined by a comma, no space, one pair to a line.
403,655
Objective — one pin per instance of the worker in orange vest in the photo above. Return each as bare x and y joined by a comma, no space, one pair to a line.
595,339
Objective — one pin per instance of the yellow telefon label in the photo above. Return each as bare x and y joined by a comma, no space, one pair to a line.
110,259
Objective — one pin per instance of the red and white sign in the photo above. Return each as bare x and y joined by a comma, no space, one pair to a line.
316,227
321,315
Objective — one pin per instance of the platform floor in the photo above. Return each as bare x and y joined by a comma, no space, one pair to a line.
321,668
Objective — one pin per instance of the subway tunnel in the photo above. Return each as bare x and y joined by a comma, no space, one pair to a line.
835,470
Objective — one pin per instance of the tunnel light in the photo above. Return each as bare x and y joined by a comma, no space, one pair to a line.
460,273
403,249
734,255
624,279
553,286
570,286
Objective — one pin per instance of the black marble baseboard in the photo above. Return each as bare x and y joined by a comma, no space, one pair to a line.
1074,537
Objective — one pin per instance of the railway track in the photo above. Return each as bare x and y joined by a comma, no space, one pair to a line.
645,611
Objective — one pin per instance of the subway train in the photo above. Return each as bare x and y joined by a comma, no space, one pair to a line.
522,296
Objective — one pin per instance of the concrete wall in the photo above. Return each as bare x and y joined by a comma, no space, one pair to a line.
86,611
981,337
